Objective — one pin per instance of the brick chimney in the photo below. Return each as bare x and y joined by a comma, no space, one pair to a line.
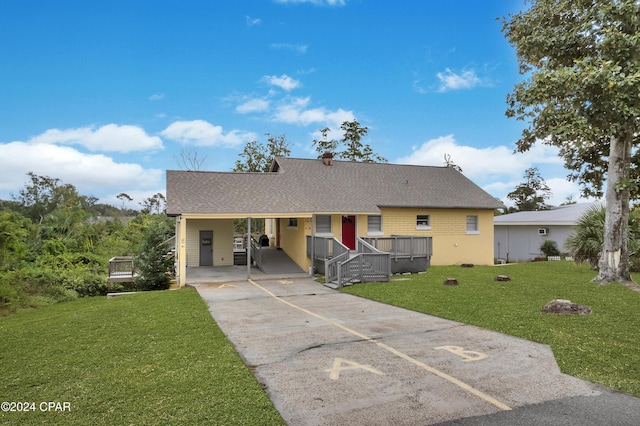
327,158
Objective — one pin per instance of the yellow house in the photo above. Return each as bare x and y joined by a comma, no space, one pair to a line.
341,204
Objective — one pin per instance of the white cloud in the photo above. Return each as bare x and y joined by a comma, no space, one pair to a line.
253,21
108,138
284,82
156,97
253,105
297,111
496,168
561,189
481,163
91,174
203,133
298,48
449,80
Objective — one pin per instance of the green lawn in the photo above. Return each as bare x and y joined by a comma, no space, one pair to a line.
159,357
151,358
603,347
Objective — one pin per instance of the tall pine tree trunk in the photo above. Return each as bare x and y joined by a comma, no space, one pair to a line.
614,259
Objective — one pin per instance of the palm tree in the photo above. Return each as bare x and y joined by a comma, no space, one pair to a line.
585,243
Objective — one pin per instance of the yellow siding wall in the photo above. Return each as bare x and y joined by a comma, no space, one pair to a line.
294,242
222,240
451,243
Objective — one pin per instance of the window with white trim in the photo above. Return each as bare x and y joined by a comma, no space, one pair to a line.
292,223
374,225
323,224
423,221
472,224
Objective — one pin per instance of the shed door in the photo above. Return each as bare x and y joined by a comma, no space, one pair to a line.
206,248
349,231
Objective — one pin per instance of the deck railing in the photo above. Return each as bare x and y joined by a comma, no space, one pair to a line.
121,269
332,267
368,264
401,246
325,247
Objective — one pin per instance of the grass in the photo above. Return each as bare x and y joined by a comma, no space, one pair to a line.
601,347
149,358
159,357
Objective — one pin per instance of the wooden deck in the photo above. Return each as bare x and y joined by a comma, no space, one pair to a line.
121,269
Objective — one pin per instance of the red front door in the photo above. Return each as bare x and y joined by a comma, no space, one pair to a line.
349,231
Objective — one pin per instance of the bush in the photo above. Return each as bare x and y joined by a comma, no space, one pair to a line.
38,287
549,248
154,267
8,297
86,283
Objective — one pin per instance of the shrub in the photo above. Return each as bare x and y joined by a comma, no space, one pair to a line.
86,283
154,267
549,248
8,297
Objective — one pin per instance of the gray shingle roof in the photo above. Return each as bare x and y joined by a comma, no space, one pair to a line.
563,215
308,186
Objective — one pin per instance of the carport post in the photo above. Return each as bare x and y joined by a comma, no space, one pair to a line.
248,248
313,244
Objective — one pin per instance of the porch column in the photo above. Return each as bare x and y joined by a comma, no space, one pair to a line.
181,252
313,244
248,248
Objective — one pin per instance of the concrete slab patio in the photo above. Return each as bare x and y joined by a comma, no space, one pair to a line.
328,358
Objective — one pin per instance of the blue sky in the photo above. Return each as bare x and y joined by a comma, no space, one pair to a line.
105,94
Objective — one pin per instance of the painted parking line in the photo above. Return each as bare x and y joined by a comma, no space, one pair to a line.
392,350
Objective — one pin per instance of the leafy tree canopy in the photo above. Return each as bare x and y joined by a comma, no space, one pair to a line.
582,62
43,195
351,144
257,157
581,59
531,194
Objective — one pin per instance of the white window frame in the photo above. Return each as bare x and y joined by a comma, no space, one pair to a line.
292,223
420,218
377,218
474,229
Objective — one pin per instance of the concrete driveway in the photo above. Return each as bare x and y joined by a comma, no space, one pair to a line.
328,358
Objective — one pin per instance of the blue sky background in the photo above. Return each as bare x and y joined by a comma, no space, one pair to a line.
105,94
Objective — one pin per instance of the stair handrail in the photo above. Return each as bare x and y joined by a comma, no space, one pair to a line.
340,254
256,253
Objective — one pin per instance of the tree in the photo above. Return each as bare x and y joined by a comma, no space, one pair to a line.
448,162
189,159
325,144
153,264
582,94
15,230
587,239
44,195
585,242
123,197
155,203
353,148
257,157
532,193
